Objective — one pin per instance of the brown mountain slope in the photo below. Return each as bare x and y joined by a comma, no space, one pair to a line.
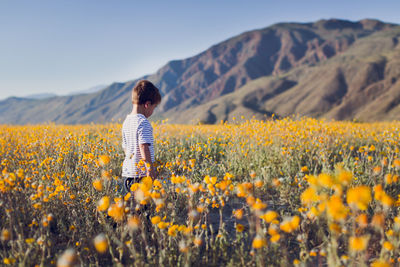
361,83
274,50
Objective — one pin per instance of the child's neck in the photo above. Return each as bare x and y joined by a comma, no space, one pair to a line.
137,109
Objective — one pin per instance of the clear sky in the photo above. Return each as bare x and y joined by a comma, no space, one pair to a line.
61,46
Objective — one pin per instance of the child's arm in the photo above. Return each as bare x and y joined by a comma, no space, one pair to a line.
146,156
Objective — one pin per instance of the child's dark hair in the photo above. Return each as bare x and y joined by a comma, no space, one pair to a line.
145,91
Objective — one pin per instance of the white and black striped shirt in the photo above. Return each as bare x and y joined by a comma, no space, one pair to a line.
136,130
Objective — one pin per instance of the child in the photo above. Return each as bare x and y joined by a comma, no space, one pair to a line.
137,135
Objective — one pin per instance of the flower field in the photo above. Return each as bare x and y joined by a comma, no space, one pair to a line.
287,192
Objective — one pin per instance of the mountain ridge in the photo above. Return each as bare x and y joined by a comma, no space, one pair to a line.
283,69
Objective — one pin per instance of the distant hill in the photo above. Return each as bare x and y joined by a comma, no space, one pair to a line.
40,96
91,90
335,69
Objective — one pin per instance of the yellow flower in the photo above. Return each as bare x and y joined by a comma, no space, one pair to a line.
397,221
386,200
239,227
362,220
98,185
311,179
378,220
377,170
104,160
250,200
388,246
396,163
272,230
68,258
9,261
29,240
378,190
276,182
259,242
172,230
312,213
5,235
294,222
259,205
380,263
183,247
325,180
117,211
103,204
162,225
259,183
238,214
133,222
388,178
345,177
275,238
101,243
197,241
304,169
359,197
309,196
269,216
134,187
146,184
335,208
290,224
155,219
335,228
358,243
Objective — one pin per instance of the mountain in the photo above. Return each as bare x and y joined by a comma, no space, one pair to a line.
40,96
335,69
92,89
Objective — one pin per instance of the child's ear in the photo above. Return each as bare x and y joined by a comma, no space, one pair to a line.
147,104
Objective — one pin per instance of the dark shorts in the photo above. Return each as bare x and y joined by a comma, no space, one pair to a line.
127,182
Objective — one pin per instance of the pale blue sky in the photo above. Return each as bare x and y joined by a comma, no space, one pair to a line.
61,46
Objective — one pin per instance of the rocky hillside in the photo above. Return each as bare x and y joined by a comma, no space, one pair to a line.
331,68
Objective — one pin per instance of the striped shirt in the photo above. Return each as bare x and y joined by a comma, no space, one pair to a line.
136,130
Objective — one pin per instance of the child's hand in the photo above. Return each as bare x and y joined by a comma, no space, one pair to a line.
146,156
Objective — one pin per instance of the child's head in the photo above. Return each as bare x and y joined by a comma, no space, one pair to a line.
145,91
145,94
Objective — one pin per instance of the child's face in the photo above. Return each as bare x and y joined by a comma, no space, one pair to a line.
149,108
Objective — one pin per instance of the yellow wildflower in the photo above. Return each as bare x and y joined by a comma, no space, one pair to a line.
309,196
103,204
335,208
239,227
269,216
101,243
104,160
259,242
358,243
359,197
98,185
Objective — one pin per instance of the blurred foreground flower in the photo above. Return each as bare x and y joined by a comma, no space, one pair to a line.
104,160
259,242
67,259
358,243
103,204
101,243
